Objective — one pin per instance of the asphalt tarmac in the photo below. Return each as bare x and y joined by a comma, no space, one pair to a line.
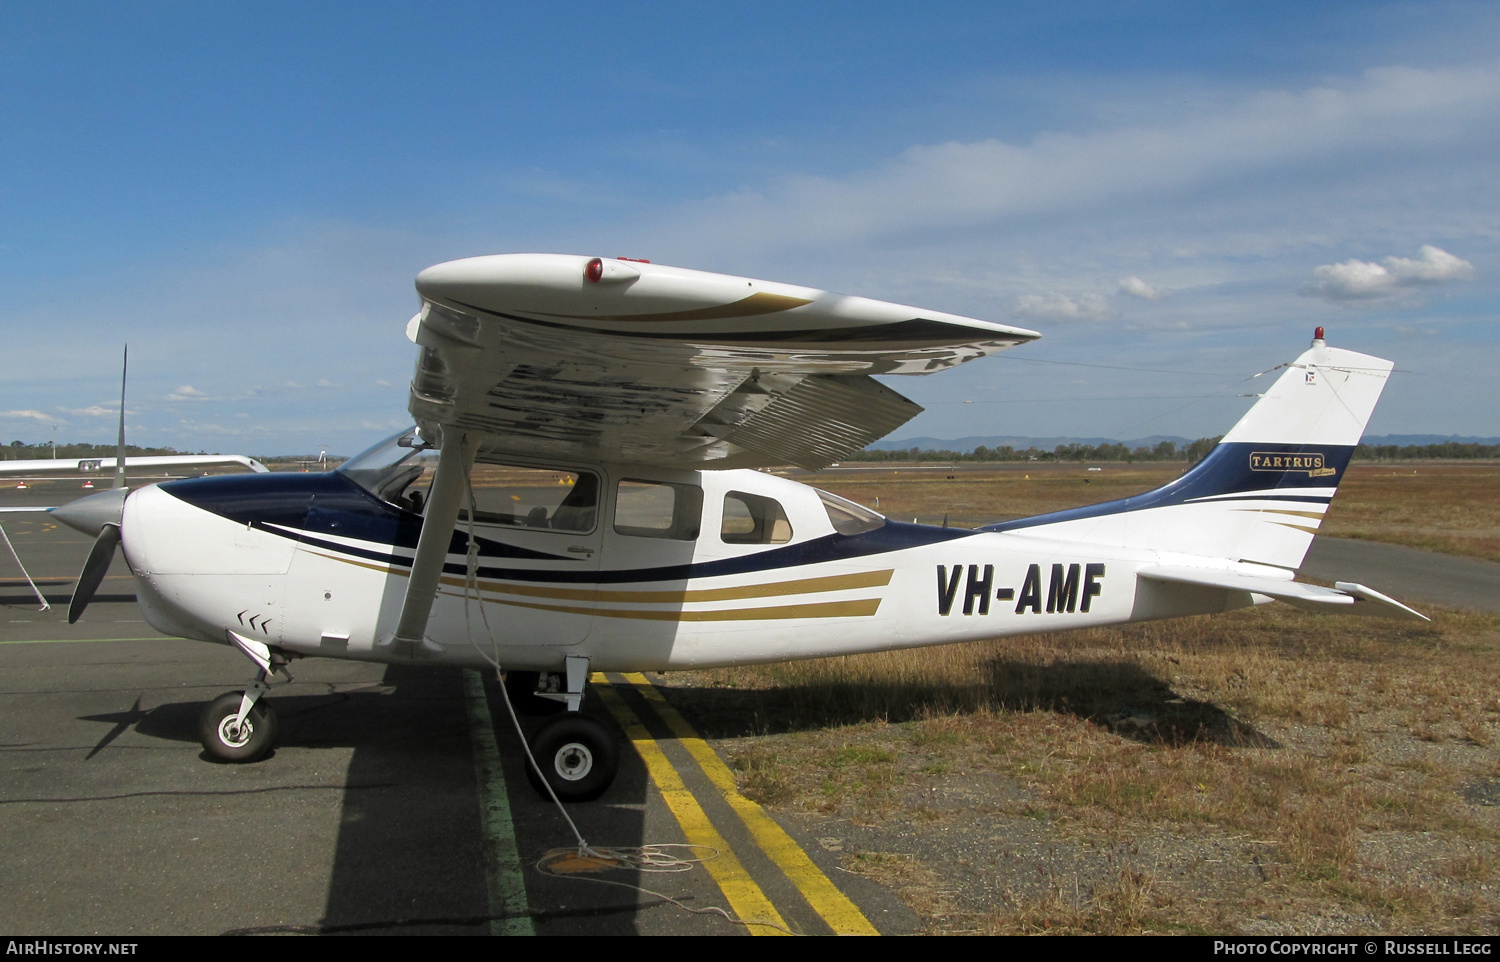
395,801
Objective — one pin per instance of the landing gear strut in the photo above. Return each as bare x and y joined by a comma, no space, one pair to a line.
238,726
577,755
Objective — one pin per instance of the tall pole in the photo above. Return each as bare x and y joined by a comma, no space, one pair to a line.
120,449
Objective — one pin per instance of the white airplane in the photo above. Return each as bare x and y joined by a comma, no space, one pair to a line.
576,497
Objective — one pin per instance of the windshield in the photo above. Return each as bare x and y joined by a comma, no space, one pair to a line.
388,468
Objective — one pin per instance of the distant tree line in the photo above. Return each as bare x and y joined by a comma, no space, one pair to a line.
1166,451
19,451
1446,450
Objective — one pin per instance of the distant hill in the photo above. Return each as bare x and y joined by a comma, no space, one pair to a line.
965,445
1406,440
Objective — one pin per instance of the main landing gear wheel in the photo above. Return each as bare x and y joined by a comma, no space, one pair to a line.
521,686
578,757
228,742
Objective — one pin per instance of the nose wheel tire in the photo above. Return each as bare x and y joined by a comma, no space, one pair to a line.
228,742
578,757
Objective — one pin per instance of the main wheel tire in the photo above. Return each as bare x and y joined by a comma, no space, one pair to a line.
225,741
578,756
520,687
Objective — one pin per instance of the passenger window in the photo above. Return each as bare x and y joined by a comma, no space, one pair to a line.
533,498
658,509
752,519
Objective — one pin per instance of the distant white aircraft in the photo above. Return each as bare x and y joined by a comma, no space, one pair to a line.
576,497
49,469
54,469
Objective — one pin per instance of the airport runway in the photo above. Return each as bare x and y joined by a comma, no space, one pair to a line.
396,801
1410,575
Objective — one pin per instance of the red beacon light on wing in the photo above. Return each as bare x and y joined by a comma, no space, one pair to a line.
1317,336
600,271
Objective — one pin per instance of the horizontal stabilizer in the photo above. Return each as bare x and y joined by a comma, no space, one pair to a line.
1344,598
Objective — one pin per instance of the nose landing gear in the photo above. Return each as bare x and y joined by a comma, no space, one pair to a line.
231,735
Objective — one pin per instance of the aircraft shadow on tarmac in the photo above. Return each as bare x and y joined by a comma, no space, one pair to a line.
1113,694
410,856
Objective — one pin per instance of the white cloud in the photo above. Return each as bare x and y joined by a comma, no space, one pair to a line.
187,393
1060,307
1356,280
94,411
1135,287
30,414
1399,110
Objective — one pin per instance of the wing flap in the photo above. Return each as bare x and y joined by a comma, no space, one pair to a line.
821,419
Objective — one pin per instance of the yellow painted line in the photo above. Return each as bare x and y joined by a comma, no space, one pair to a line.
842,915
745,898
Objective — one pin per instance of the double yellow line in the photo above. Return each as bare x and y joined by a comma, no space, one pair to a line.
745,896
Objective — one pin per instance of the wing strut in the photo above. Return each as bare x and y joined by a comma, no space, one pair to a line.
443,501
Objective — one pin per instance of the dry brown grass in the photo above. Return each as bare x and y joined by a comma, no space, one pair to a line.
1319,758
1264,771
1449,506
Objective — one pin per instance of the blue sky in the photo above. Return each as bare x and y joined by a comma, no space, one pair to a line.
1178,192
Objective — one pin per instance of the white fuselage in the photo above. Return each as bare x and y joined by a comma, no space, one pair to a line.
627,600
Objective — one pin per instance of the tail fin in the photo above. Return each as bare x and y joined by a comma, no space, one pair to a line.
1260,494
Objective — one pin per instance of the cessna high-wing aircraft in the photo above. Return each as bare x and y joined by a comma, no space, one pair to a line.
576,497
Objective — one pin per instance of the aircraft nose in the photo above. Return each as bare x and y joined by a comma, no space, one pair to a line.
92,513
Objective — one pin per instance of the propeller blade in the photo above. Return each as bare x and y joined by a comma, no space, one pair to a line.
100,556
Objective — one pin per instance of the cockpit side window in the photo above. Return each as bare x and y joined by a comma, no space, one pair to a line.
523,497
400,469
753,519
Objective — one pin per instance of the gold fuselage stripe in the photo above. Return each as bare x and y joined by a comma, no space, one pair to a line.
828,609
863,579
860,608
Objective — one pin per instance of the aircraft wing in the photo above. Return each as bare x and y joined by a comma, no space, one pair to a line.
629,361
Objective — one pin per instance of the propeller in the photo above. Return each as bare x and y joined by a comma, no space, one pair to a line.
100,515
100,555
